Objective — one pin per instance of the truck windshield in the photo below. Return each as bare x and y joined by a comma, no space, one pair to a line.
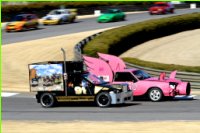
141,74
93,79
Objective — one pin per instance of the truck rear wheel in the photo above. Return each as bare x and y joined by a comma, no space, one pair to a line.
103,99
47,100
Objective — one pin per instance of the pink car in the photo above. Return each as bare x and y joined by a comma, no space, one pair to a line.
112,69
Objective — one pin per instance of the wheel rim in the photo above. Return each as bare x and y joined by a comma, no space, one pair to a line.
46,100
103,100
155,95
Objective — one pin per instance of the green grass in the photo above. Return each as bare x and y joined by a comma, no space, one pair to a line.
118,40
161,66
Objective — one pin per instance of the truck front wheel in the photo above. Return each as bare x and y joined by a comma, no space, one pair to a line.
103,99
47,100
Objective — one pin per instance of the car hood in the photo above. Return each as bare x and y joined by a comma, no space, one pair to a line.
15,23
106,16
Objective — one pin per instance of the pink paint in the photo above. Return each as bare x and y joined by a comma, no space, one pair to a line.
138,80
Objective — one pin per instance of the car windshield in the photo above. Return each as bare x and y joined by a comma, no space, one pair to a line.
93,79
111,11
55,12
159,5
141,74
18,18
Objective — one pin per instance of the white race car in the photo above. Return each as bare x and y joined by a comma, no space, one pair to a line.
59,16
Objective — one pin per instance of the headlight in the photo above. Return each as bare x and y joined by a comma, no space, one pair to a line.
116,91
173,85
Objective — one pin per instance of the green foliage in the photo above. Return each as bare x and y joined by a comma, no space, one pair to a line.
169,67
118,40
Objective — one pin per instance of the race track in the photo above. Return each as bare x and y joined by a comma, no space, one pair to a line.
81,25
25,107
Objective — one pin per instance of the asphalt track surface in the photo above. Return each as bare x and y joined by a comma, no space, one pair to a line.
25,107
80,26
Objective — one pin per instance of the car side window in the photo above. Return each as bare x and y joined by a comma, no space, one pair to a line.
124,76
28,17
33,16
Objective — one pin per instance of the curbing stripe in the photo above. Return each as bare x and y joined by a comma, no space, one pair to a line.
8,94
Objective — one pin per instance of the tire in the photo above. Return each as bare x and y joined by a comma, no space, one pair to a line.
36,26
172,11
47,100
24,28
123,18
60,21
103,99
155,94
71,20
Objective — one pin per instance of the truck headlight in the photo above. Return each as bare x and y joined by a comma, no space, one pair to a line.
116,91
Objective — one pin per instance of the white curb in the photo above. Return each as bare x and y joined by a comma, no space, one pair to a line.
8,94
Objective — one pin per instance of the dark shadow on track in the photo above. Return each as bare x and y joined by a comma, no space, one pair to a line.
88,104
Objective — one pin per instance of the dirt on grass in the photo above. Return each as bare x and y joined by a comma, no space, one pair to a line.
100,127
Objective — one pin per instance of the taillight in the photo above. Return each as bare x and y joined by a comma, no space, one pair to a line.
173,85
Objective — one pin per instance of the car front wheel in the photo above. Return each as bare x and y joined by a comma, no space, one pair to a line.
155,94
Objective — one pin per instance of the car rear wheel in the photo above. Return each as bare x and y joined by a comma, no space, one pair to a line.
103,99
155,94
36,26
171,10
72,19
47,100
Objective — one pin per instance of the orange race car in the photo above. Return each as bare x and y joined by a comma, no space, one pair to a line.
23,22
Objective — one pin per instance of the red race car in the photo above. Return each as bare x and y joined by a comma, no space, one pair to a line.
161,8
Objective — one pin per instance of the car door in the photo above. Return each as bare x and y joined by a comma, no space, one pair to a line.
119,14
29,22
64,16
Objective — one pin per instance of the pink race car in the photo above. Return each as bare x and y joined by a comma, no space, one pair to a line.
112,69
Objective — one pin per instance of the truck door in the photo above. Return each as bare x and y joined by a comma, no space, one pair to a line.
80,87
